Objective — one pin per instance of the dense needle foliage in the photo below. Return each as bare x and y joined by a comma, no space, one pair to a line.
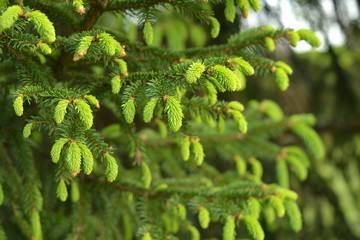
112,125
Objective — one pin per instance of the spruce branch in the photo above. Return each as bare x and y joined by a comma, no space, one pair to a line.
160,109
116,6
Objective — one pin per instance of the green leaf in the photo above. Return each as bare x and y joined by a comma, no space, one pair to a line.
9,17
240,80
123,69
112,168
43,26
92,100
36,225
77,3
298,167
79,6
129,110
243,66
255,207
294,214
115,84
174,112
277,204
75,193
208,119
272,109
235,105
83,47
193,73
204,217
215,27
307,119
216,83
286,193
220,126
255,4
240,165
128,227
229,232
56,149
284,67
146,175
85,113
282,79
269,44
148,33
198,35
87,157
73,157
195,234
60,111
109,45
185,148
230,10
254,228
18,106
311,139
181,210
257,169
225,76
268,214
44,48
298,153
240,121
61,191
146,236
27,130
1,195
309,37
244,6
282,173
162,128
171,225
198,151
293,38
149,109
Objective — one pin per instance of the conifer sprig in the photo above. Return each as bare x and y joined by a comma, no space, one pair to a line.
8,18
174,111
43,25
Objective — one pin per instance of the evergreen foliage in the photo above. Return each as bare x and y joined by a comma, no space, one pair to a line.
9,17
128,176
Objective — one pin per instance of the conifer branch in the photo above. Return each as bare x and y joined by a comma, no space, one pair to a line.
225,49
162,113
166,194
135,5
